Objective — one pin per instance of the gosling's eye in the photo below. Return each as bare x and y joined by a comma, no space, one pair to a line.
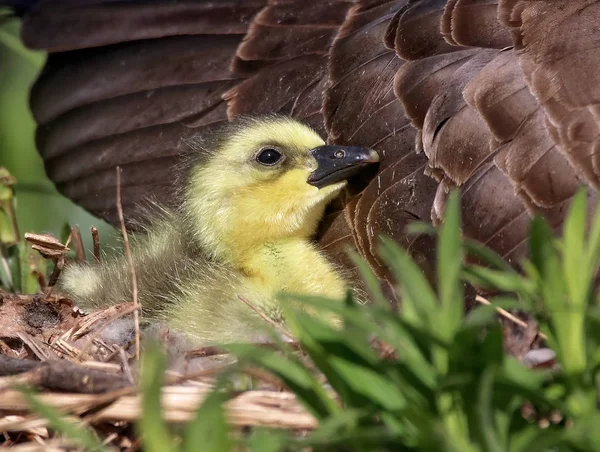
269,156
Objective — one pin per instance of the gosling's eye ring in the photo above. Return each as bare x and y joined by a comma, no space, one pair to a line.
339,154
269,156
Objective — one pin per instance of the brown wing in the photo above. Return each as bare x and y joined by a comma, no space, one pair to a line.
361,108
124,84
500,114
498,98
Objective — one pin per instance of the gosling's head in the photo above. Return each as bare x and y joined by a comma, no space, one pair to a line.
265,179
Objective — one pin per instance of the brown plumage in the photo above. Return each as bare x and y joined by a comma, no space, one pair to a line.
500,98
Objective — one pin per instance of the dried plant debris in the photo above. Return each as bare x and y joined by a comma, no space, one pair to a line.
45,319
47,245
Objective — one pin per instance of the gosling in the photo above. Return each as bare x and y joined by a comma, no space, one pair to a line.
251,200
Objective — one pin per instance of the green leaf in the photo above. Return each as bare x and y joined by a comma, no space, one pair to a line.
573,250
9,231
346,359
568,319
376,388
449,265
268,440
31,263
514,378
488,255
152,427
593,248
421,227
370,280
545,258
6,272
533,438
498,279
485,411
369,438
79,434
480,316
391,328
420,304
209,430
293,374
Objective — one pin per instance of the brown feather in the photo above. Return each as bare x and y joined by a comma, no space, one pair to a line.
516,131
98,23
418,32
474,23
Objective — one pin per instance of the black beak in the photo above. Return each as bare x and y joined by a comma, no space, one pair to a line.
337,163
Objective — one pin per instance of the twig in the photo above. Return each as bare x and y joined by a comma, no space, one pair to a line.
59,260
134,289
58,266
96,241
39,348
179,404
125,363
94,335
78,244
63,375
266,318
507,315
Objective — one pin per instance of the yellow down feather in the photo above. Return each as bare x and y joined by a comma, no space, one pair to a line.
241,229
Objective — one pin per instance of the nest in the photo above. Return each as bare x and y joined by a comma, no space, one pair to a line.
50,345
47,343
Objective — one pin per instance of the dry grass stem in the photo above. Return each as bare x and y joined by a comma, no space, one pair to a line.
78,244
47,245
134,289
96,242
507,315
251,408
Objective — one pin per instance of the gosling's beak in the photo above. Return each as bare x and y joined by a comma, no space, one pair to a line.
337,163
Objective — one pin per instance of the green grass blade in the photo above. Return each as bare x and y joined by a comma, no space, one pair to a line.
500,280
345,357
593,248
79,434
268,440
487,255
449,266
420,227
152,427
533,439
390,327
12,42
485,413
376,388
419,300
371,281
209,430
293,374
574,267
567,320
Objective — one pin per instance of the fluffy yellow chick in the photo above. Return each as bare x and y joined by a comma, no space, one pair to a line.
252,197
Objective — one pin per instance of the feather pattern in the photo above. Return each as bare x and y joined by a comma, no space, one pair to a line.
498,99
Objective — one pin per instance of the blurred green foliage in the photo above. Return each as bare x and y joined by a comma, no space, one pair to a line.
40,208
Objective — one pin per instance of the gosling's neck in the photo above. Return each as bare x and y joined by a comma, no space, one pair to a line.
236,233
271,255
